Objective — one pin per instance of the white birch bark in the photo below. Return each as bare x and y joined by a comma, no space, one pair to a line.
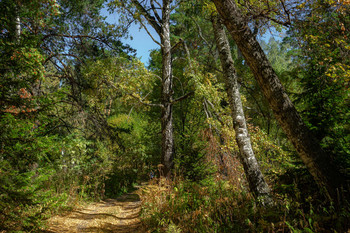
162,27
316,160
257,183
167,92
17,28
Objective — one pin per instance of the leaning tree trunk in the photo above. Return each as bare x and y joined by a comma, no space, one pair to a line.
167,89
316,160
254,176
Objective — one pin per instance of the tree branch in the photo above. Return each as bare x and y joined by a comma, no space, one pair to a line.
155,12
148,32
176,45
133,96
148,104
215,113
63,54
182,97
261,15
176,5
71,36
151,20
200,31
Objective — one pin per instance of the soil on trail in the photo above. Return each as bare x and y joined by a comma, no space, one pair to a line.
111,215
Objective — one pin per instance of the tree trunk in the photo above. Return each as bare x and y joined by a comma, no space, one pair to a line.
18,27
162,27
316,160
167,91
254,176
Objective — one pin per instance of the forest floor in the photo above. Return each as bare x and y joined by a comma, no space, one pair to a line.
111,215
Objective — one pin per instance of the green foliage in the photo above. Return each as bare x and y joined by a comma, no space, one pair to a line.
323,72
215,206
136,158
50,156
191,158
77,124
211,207
40,173
25,190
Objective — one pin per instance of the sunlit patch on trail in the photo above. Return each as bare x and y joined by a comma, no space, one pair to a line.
111,215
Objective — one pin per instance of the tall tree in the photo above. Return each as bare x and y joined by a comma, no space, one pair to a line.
161,24
317,161
167,91
255,178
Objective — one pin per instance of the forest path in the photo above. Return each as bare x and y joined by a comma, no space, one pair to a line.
111,215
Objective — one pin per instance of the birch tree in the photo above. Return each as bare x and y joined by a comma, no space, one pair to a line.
157,15
316,160
255,177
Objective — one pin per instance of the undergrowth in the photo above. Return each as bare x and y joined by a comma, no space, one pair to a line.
218,206
222,202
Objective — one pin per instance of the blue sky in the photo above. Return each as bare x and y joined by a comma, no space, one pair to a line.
142,42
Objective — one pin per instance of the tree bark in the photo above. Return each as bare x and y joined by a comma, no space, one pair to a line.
162,27
15,24
257,183
316,160
167,92
18,26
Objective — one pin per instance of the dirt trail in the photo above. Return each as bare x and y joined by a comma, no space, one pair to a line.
111,215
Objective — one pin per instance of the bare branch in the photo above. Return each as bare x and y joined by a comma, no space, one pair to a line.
200,31
148,104
148,32
133,96
179,58
130,112
154,9
262,15
182,88
160,6
151,20
205,108
182,97
176,45
188,55
176,5
158,77
286,10
215,113
71,36
62,54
